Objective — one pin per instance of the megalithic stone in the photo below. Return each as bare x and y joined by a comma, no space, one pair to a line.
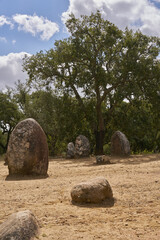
27,151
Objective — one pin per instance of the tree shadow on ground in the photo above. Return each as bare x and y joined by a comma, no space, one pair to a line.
108,203
91,161
25,177
138,159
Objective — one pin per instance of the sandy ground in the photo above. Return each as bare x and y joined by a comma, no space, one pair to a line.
134,213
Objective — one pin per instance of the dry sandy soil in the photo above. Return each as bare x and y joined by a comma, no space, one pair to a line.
134,213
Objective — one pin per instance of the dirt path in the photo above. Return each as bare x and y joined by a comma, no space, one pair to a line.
134,214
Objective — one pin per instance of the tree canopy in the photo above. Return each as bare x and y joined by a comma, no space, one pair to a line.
101,64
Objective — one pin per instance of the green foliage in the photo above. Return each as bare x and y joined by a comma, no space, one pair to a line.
60,116
107,149
100,66
137,120
3,140
9,117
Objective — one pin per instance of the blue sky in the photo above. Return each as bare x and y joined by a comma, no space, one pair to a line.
28,26
18,40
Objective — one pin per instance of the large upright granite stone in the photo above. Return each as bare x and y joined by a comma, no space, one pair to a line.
120,145
70,150
27,151
19,226
82,147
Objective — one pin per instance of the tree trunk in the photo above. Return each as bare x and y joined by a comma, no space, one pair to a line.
100,131
99,142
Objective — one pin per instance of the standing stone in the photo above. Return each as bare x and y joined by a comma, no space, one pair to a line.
70,150
19,226
93,191
102,159
120,145
27,151
82,147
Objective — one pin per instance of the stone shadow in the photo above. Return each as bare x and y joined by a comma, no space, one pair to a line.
108,203
25,177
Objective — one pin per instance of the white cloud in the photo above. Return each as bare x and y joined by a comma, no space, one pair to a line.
11,69
135,14
151,21
36,25
13,42
3,39
4,20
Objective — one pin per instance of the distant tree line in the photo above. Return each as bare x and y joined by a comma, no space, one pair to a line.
97,81
62,120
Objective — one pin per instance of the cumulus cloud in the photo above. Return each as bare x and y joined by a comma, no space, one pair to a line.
11,69
4,20
151,21
134,14
36,25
